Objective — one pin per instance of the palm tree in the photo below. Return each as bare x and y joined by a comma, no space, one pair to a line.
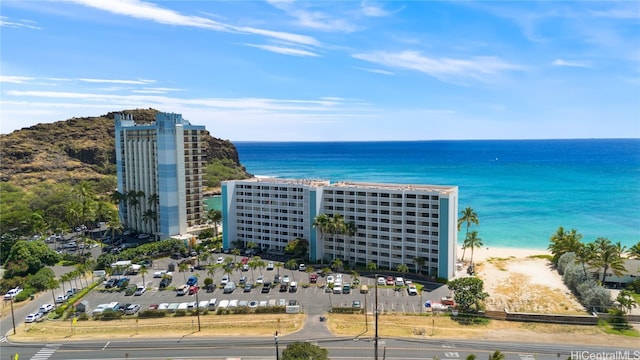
473,241
563,242
350,230
320,223
608,257
235,253
371,266
337,265
182,267
497,355
634,251
211,269
336,227
278,266
52,284
419,261
143,271
468,216
215,217
402,268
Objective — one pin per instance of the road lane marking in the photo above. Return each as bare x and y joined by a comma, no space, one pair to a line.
105,345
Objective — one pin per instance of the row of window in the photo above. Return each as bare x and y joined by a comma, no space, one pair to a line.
382,195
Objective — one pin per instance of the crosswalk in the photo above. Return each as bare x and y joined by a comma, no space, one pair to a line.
3,339
46,352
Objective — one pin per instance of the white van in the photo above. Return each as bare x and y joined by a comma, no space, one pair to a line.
212,304
293,287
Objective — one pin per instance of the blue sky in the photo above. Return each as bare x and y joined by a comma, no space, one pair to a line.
321,71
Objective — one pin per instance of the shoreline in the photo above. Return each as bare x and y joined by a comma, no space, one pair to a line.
487,252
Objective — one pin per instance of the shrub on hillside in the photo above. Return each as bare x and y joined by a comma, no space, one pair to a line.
148,314
564,260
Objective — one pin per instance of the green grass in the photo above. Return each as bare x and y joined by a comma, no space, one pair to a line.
636,297
607,328
541,256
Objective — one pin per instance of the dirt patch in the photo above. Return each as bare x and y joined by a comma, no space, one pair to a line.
526,285
442,326
210,325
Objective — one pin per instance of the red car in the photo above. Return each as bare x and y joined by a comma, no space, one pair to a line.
194,289
391,280
313,278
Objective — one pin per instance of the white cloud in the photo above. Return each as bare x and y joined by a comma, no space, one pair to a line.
284,50
148,11
15,79
21,23
442,68
560,62
369,9
116,81
375,71
312,19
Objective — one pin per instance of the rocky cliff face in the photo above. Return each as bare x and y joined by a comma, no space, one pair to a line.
79,149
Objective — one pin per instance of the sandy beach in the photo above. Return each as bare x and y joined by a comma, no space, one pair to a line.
520,280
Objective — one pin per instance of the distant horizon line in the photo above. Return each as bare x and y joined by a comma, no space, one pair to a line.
426,140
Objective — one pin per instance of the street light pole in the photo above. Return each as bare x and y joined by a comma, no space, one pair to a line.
198,309
13,318
277,350
375,348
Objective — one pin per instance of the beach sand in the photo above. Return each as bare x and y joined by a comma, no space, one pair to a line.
520,280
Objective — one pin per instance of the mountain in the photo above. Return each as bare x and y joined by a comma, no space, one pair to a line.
84,149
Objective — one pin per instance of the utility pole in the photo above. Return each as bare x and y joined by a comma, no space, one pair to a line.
13,318
375,348
198,308
277,350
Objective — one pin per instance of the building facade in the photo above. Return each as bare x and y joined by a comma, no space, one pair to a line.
390,224
159,169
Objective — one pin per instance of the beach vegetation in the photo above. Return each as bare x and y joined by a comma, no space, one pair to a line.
467,216
469,294
607,256
563,242
626,301
634,251
472,242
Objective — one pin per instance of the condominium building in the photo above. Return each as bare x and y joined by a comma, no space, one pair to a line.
390,224
159,167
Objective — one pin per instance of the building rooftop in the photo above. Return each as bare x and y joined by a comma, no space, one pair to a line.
442,189
273,180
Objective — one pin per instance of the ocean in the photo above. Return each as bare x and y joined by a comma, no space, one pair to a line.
522,190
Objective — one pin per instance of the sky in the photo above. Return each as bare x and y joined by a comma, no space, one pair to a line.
329,71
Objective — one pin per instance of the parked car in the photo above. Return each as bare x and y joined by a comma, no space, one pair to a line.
141,289
33,317
12,293
46,308
225,279
193,289
111,283
192,280
123,282
247,287
245,267
165,282
313,278
293,287
356,304
182,290
61,299
364,289
266,287
220,260
276,279
302,267
283,287
270,266
346,289
412,290
260,280
399,281
243,280
285,279
158,274
390,280
132,309
229,288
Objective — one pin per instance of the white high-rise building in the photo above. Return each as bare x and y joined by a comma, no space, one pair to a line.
391,224
159,167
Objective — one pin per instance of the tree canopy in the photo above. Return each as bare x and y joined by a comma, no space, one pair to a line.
468,293
304,351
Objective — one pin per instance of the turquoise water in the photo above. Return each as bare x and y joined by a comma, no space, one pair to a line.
213,202
522,190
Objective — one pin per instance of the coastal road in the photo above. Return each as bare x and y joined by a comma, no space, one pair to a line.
339,348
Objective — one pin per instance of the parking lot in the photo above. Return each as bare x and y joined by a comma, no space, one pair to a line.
314,299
